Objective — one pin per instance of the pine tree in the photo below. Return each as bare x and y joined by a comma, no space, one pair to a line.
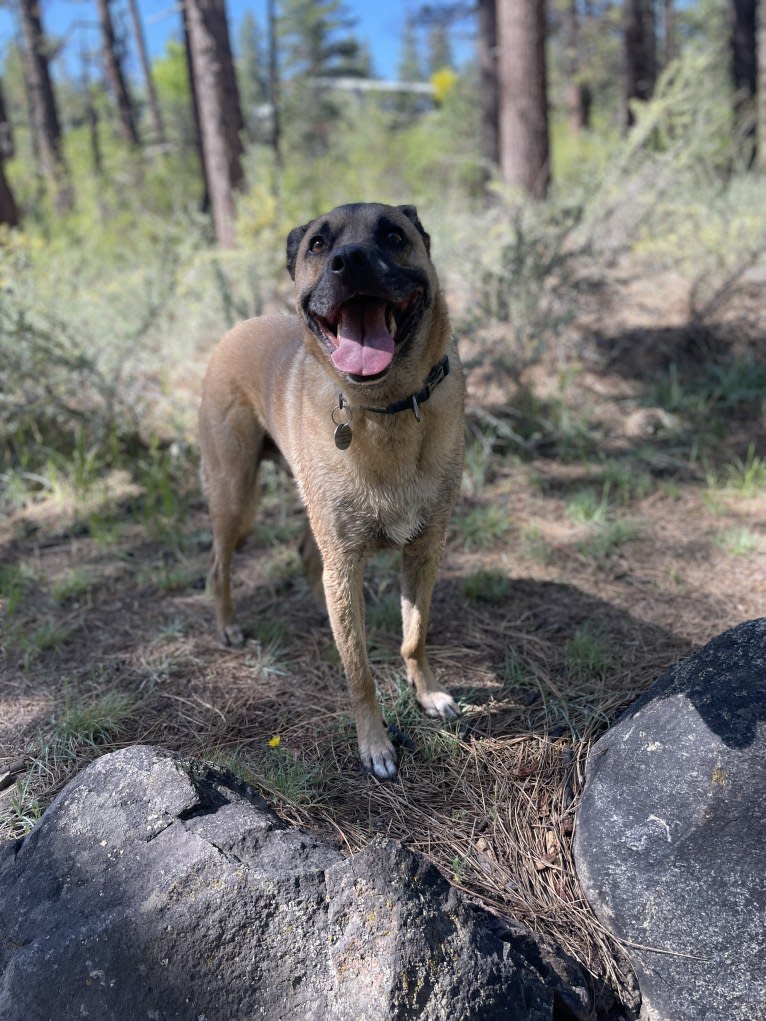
6,129
46,126
524,140
317,45
640,53
253,74
439,48
143,57
410,69
489,84
218,109
744,68
9,212
111,55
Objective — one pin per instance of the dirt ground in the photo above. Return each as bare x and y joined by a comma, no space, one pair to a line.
601,538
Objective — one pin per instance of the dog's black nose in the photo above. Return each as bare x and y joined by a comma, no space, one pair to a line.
349,257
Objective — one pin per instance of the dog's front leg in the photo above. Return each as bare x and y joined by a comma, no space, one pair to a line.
420,564
344,593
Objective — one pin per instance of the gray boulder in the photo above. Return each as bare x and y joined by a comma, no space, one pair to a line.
157,888
671,834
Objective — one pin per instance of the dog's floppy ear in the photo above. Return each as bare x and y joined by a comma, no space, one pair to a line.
412,214
294,239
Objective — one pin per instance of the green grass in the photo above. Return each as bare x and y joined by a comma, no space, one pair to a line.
588,653
24,808
487,585
483,526
607,532
80,728
14,583
281,773
269,655
34,640
738,541
535,545
73,585
608,538
517,676
586,507
478,463
746,475
437,743
625,482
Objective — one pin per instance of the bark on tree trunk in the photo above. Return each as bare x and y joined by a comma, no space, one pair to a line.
488,71
668,32
220,115
276,124
640,54
524,144
42,102
744,70
199,140
143,56
761,50
6,129
9,211
113,68
578,93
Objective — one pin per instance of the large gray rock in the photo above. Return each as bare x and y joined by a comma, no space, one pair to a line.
153,888
671,834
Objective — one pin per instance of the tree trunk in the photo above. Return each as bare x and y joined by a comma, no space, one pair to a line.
761,51
744,70
143,56
276,125
490,93
524,145
113,69
42,102
9,211
6,129
199,140
640,54
668,32
220,115
578,93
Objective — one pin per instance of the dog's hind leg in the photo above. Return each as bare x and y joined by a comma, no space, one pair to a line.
420,564
311,559
230,458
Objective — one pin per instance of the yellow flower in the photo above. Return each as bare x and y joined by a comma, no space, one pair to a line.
443,81
274,742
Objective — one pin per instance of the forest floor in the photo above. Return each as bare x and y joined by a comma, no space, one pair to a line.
613,520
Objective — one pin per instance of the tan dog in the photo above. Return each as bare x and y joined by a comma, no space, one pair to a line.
362,394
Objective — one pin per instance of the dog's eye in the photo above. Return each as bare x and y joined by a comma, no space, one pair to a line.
317,244
395,238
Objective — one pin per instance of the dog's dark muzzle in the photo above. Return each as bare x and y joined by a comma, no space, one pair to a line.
364,307
361,269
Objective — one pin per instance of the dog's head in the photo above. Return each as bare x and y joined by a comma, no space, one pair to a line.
365,284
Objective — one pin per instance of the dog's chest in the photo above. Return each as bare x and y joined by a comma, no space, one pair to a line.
399,513
373,512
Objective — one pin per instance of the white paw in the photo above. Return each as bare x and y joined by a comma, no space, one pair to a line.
439,704
379,758
232,637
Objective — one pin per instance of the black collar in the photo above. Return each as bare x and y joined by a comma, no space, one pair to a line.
439,372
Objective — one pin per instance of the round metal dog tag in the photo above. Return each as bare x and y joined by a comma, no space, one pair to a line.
343,436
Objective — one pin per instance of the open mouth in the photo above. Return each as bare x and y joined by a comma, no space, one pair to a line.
362,334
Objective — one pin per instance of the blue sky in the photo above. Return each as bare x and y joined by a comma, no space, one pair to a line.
379,25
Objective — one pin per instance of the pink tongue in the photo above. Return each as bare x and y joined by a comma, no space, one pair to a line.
365,346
